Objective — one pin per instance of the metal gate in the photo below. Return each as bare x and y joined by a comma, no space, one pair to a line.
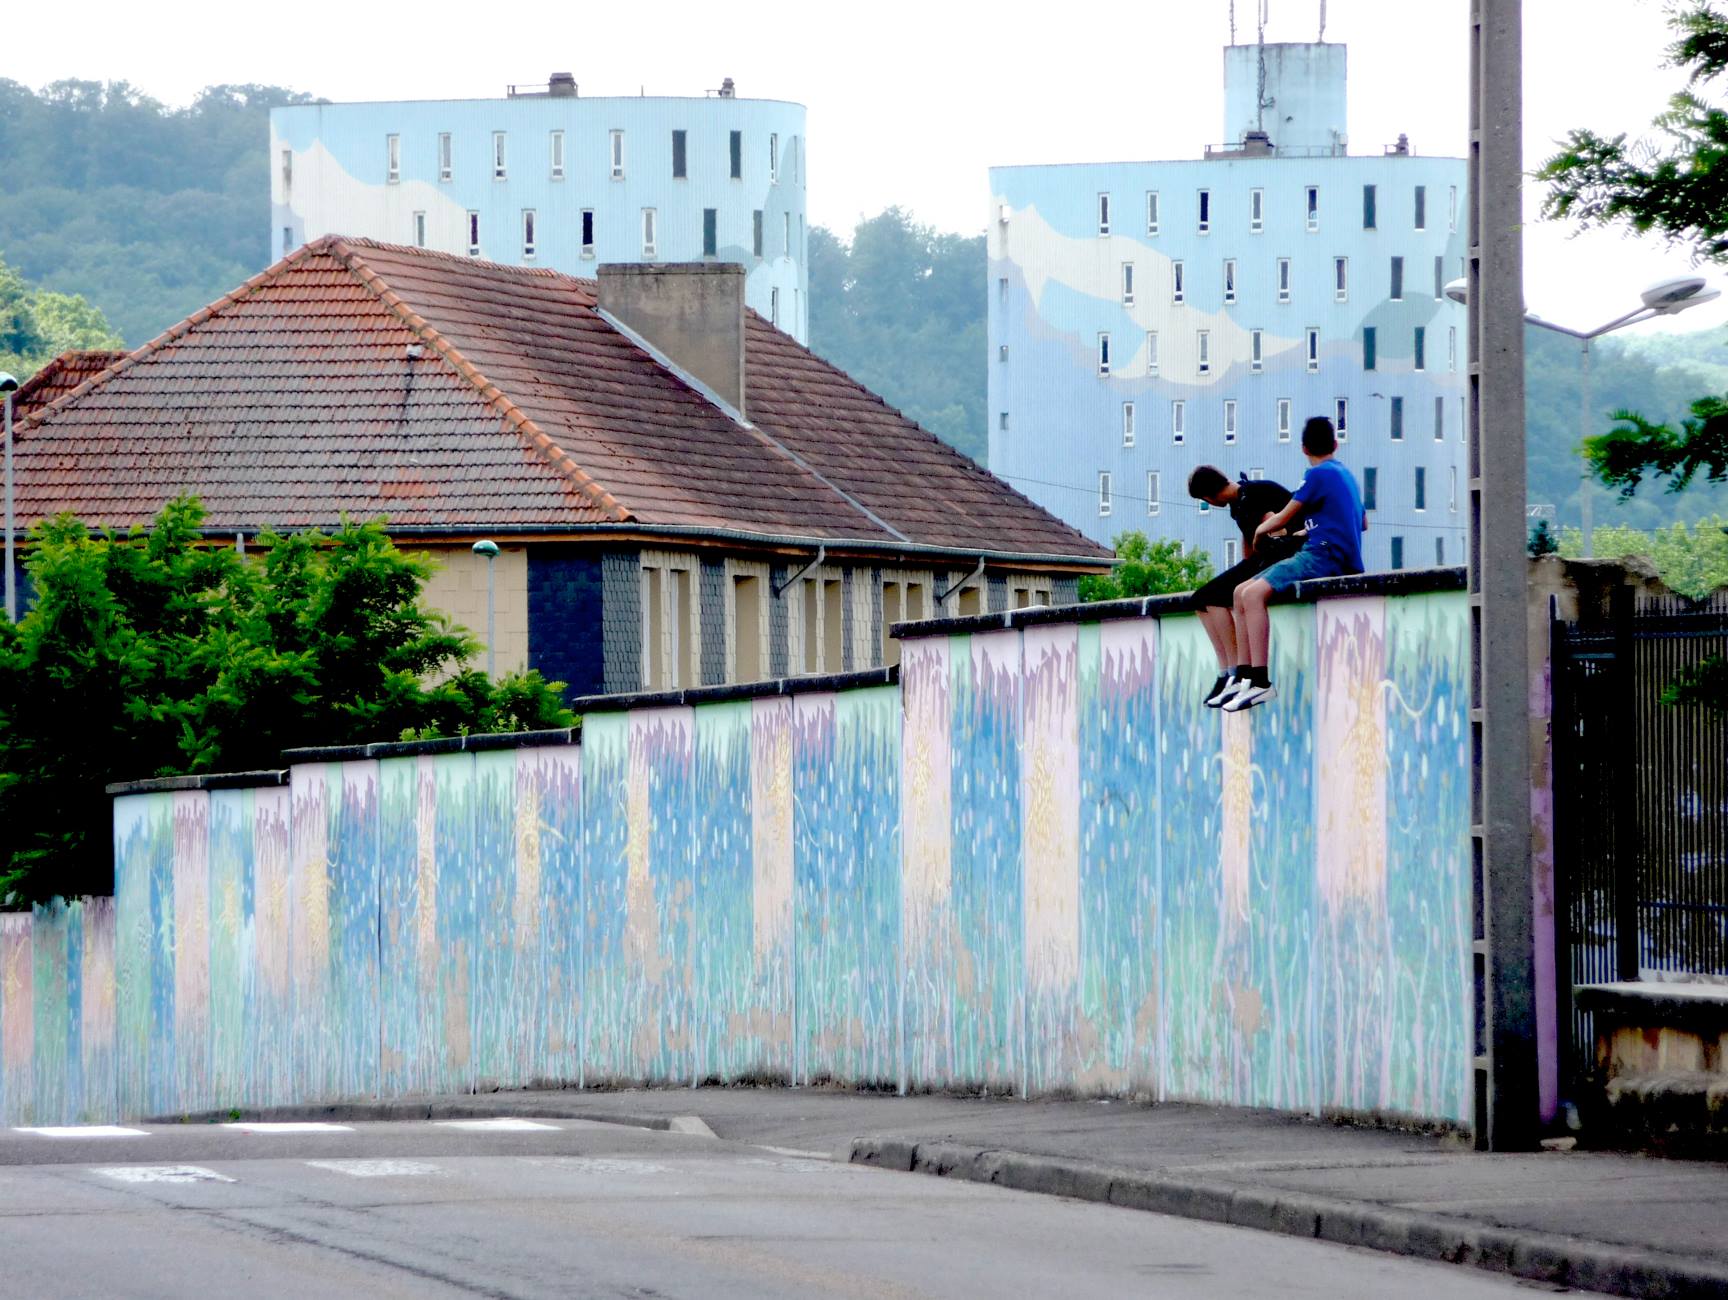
1640,804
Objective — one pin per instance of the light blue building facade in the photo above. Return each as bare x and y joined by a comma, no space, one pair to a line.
548,178
1148,317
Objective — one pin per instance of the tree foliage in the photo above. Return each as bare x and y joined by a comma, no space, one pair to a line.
37,325
151,654
1692,561
1147,568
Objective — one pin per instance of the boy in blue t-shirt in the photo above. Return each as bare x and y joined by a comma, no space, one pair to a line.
1331,503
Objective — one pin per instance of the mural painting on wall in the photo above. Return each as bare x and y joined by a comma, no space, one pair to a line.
1032,865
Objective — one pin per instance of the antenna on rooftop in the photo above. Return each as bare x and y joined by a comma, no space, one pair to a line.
1232,22
1265,7
1322,20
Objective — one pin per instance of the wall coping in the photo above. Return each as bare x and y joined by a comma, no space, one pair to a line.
1401,582
774,686
204,781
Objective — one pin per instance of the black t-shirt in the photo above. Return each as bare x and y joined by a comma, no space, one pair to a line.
1255,499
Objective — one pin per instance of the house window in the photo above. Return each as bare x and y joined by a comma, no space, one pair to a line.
1205,211
649,248
773,158
419,230
499,170
1421,207
1203,351
1397,419
1127,284
1127,424
1151,352
1283,419
1421,348
1313,346
473,234
287,240
786,233
444,168
1452,347
1397,552
587,232
1230,279
1103,354
774,307
287,168
1421,488
1257,350
555,147
1452,492
1439,279
1439,419
680,158
1439,551
1313,208
1232,552
1103,214
1341,279
735,154
1370,488
1370,348
1229,420
1283,279
1103,492
1341,417
756,232
1152,212
1002,421
1256,211
392,158
1178,291
1370,214
1452,209
617,155
710,232
527,232
1178,421
1397,279
1152,502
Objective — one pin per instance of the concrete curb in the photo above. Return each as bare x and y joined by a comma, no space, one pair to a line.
1539,1256
478,1108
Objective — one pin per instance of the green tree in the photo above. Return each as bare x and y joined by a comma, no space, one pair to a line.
152,654
1542,540
1693,561
36,325
1147,568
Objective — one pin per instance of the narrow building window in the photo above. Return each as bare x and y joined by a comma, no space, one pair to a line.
680,159
1229,419
1397,419
1370,213
1002,421
1103,353
756,232
499,170
1370,348
1002,353
1452,492
710,232
419,230
555,148
1232,549
1103,214
1103,492
392,158
587,232
1439,279
1205,211
1178,292
1230,279
1257,472
1440,552
1283,279
1283,419
1256,211
1452,347
1313,348
1152,482
1452,210
1421,348
444,156
1152,212
773,158
1151,352
1370,488
1397,552
1439,419
1127,284
287,168
1397,294
527,232
473,234
1313,208
1421,207
1341,279
649,248
1257,350
617,146
287,240
1203,351
1341,417
1421,488
735,154
786,233
1178,421
1127,424
774,307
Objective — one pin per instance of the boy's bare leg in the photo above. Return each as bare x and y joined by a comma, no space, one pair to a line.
1253,625
1220,625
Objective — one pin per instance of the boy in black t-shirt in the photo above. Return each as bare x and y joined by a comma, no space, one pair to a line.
1249,501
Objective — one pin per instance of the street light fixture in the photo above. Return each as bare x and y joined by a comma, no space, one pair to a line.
1664,298
8,386
489,549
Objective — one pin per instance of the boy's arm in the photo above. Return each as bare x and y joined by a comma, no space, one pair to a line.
1273,522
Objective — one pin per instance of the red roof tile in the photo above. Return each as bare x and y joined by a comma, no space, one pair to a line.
293,400
59,377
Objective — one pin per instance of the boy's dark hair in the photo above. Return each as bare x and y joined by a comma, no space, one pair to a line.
1318,437
1206,482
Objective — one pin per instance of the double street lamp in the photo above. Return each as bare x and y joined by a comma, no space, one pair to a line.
1664,298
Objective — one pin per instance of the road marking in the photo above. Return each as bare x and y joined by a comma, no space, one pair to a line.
85,1131
376,1168
504,1124
307,1126
599,1165
162,1174
795,1151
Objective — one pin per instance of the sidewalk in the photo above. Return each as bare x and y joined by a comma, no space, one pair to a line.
1624,1224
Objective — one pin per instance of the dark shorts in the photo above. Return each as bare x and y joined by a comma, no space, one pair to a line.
1220,592
1316,560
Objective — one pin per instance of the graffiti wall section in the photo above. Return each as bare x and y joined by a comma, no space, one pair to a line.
1036,864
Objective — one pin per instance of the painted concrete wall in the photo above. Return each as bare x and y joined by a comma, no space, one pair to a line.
1035,864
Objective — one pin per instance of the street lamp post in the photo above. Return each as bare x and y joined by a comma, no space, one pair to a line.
1664,298
9,386
490,550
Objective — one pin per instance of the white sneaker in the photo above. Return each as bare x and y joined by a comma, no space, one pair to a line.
1249,696
1227,686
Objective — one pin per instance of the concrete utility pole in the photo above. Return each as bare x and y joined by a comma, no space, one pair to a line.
8,386
1503,953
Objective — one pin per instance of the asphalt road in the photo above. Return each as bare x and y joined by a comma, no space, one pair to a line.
558,1207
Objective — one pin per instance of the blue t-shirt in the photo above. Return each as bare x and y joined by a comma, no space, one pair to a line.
1332,504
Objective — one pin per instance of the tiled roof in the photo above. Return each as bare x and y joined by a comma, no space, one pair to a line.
294,400
59,377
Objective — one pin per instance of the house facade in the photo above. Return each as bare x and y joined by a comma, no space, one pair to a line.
681,494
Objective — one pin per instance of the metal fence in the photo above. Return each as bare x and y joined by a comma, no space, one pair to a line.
1641,801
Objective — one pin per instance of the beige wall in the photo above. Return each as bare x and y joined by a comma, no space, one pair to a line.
458,588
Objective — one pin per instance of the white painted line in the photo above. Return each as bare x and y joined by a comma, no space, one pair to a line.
85,1131
693,1125
376,1168
504,1124
794,1151
306,1126
162,1174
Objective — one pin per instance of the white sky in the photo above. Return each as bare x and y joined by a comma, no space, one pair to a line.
909,103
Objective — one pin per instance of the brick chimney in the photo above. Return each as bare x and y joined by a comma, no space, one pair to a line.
692,313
